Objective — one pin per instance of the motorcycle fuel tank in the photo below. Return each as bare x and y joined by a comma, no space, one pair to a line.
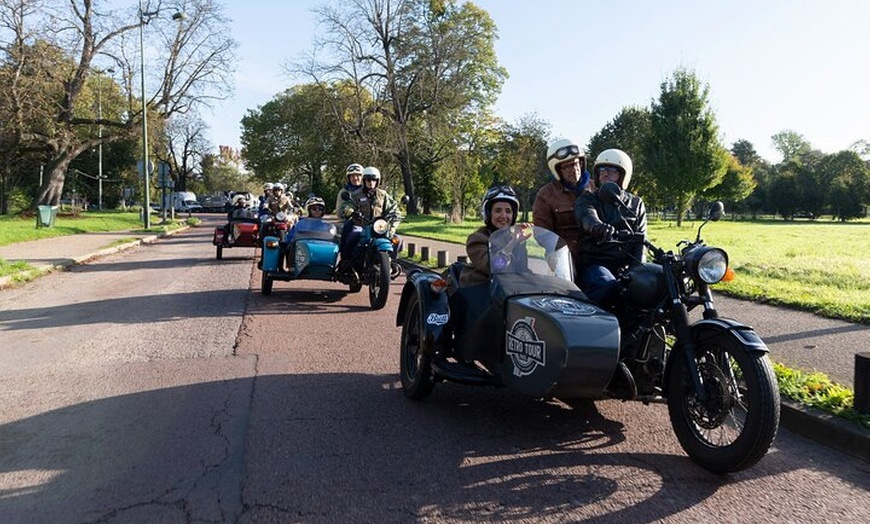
558,346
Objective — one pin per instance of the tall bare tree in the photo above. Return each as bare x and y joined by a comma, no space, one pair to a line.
188,61
413,59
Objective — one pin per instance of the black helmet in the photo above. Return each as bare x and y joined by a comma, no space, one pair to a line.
499,194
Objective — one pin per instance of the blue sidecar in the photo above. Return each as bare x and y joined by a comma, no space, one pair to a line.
310,252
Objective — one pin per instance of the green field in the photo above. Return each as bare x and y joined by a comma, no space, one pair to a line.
822,267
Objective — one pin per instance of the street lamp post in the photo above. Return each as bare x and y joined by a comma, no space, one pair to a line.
146,173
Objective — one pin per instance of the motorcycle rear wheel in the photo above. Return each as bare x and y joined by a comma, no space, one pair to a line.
415,362
736,426
379,279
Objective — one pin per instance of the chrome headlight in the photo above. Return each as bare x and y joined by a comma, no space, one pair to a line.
380,226
281,216
301,259
708,264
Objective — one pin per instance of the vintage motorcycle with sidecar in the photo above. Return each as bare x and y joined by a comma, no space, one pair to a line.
240,232
531,329
309,251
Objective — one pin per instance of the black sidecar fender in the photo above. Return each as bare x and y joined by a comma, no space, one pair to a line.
434,309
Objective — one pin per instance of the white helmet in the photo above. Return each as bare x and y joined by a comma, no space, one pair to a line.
239,198
314,201
267,186
564,150
617,158
372,173
354,169
499,194
279,185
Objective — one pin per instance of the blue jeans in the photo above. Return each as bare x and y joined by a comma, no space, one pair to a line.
599,284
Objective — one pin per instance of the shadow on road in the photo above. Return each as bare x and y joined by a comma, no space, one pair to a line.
332,446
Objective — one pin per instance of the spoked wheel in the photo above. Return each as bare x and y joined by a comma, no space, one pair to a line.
416,359
734,427
266,284
378,276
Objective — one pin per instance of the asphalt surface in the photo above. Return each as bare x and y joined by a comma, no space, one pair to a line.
799,340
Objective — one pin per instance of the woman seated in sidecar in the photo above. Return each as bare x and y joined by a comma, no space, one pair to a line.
310,227
500,247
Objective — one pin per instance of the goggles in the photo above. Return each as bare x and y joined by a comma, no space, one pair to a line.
500,190
564,152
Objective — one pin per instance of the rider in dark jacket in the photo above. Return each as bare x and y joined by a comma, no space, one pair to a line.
601,262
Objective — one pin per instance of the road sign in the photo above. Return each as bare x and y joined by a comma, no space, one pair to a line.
139,168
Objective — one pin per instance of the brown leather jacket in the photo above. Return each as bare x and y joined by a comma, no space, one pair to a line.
477,247
554,209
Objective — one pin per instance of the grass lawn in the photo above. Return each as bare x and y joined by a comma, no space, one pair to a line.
821,266
17,229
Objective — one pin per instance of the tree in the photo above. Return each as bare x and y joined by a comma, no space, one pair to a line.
417,59
186,144
521,159
628,131
791,145
62,44
683,152
849,178
736,185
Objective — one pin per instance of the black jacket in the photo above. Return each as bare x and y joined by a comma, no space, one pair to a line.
590,211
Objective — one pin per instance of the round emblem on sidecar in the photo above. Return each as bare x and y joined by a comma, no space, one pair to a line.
566,306
524,348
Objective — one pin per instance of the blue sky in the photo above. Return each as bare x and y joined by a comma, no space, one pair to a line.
771,65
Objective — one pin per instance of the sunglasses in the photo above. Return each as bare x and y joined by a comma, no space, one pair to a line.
316,208
564,152
608,169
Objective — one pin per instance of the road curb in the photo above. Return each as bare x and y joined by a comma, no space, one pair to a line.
9,281
835,432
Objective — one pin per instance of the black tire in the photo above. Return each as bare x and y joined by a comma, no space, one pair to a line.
220,252
415,358
737,425
266,284
379,279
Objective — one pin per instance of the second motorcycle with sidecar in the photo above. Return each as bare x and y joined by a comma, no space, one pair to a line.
531,329
308,251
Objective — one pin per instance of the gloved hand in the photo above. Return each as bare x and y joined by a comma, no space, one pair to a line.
348,212
603,232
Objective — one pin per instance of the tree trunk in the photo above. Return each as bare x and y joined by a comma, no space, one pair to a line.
407,180
52,189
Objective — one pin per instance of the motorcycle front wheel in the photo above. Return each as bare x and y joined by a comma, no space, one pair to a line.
379,279
415,364
735,426
265,284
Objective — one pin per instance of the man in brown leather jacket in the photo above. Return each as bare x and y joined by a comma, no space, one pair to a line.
554,204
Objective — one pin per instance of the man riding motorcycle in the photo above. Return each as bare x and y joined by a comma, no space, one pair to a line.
601,261
364,205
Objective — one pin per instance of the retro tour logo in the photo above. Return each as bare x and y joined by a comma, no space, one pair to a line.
524,348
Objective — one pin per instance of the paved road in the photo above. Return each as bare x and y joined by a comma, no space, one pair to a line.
158,385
